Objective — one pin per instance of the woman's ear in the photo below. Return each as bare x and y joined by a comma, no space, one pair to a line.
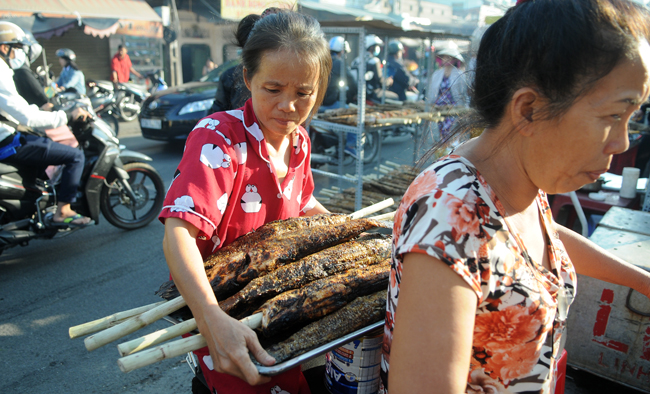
525,103
246,80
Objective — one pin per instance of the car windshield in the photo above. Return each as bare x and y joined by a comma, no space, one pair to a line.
213,76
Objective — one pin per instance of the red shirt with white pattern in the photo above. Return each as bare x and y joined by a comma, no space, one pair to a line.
226,186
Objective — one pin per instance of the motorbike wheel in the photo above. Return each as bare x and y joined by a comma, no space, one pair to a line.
370,149
120,211
127,106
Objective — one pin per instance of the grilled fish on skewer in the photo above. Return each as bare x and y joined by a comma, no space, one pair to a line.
359,313
321,297
365,251
233,255
264,254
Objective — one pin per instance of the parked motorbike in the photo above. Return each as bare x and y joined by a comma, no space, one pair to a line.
155,82
127,99
128,192
103,101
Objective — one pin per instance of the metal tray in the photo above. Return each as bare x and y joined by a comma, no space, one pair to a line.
303,358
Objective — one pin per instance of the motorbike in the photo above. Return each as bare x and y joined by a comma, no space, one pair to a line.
104,103
116,182
126,102
155,82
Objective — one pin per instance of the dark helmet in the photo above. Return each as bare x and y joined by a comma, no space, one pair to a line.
394,47
10,33
66,53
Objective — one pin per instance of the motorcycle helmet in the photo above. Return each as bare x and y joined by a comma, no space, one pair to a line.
66,53
11,34
371,40
394,47
338,44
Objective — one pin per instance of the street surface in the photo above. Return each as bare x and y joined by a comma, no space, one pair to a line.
51,285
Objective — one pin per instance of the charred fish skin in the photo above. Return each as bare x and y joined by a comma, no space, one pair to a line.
225,264
359,313
321,297
299,244
364,251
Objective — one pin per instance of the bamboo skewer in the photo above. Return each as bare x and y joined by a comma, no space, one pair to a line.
174,349
372,209
385,216
108,321
127,327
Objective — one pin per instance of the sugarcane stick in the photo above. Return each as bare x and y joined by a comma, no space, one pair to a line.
127,327
155,338
372,209
174,349
108,321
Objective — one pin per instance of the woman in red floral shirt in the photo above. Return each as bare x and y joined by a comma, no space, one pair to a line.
482,277
241,169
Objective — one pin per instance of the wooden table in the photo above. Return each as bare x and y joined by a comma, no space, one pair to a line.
609,325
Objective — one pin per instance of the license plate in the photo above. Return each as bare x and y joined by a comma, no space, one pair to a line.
151,123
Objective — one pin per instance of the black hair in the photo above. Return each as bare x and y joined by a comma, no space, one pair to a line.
559,47
119,47
70,63
291,31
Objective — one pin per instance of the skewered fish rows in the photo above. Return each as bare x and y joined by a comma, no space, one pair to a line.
288,272
261,251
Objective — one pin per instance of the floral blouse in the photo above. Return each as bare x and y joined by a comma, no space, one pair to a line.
449,212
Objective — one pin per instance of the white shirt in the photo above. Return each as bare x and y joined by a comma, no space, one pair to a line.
14,107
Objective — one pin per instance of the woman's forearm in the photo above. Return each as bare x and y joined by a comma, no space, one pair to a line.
186,264
591,260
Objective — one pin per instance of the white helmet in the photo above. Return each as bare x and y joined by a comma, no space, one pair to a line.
372,39
338,44
10,33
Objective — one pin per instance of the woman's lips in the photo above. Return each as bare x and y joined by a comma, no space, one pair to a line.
594,175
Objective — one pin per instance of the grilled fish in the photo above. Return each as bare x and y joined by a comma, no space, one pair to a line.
273,244
359,313
321,297
364,251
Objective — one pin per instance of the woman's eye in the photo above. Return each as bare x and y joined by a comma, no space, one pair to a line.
616,117
303,94
272,90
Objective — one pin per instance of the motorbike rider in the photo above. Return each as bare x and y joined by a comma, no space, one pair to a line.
26,80
338,48
71,77
30,149
374,76
403,82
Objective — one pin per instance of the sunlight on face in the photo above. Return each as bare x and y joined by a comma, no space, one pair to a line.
283,91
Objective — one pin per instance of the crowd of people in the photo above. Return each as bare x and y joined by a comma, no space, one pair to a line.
474,240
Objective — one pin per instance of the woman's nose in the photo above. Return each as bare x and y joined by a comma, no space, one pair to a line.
287,104
619,141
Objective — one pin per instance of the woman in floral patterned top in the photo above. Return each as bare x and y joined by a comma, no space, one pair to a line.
481,275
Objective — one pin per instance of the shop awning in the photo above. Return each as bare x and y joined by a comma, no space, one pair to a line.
111,9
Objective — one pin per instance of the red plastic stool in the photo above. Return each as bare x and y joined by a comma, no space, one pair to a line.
560,373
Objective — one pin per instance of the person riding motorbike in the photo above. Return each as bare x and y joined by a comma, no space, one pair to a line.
27,83
338,48
25,148
404,82
71,76
374,75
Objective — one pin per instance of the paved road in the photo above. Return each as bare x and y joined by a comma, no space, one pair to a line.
51,285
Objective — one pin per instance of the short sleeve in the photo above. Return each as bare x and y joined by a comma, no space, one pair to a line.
203,181
449,228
